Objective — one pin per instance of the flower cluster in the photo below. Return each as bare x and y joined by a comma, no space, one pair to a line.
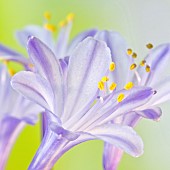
90,88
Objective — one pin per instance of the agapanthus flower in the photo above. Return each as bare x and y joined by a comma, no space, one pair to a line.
15,113
148,73
78,108
60,47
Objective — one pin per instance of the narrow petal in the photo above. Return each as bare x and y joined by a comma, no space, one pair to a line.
35,88
157,59
8,54
111,157
118,48
80,37
123,137
49,67
34,30
62,41
153,113
162,92
108,111
87,65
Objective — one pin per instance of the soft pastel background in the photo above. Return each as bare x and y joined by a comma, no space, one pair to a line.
139,22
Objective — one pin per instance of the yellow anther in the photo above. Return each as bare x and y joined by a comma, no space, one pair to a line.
11,72
62,23
147,68
70,17
149,46
101,85
50,27
134,55
129,51
112,86
104,79
47,15
142,63
133,66
120,97
128,86
112,66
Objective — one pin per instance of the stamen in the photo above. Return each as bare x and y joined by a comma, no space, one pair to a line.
120,97
101,85
62,23
47,15
147,68
129,51
112,66
11,72
112,86
149,46
133,66
50,27
70,17
128,86
134,55
142,63
104,79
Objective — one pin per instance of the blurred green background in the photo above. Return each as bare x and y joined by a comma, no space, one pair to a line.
139,22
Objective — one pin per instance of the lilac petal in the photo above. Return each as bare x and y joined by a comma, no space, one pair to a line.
62,41
49,67
111,157
118,48
87,65
162,92
157,60
123,137
35,88
134,98
33,30
153,113
63,132
10,129
80,37
8,54
50,150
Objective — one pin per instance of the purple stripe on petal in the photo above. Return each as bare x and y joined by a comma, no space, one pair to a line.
10,129
49,67
120,136
87,65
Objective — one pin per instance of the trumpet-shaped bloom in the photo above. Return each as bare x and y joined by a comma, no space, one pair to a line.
77,106
148,73
15,113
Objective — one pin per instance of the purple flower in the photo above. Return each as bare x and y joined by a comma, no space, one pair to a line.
148,73
74,96
15,113
60,47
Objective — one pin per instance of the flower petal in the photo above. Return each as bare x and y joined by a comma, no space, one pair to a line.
35,88
153,113
34,30
162,92
118,48
8,54
157,59
80,37
62,41
87,65
49,67
123,137
111,157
